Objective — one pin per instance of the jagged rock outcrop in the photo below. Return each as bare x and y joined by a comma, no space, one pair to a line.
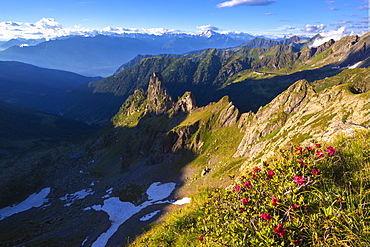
158,99
229,116
185,104
179,138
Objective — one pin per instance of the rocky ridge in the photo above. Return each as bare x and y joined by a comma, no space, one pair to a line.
300,114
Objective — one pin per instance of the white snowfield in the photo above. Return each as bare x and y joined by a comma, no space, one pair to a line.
119,211
33,201
71,198
150,215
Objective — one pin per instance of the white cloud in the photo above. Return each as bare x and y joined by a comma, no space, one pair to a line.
365,7
208,27
288,27
49,28
314,28
331,8
45,28
159,31
234,3
340,23
48,23
118,30
331,34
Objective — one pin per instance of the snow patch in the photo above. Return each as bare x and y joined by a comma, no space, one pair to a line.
109,191
355,65
182,201
158,191
150,215
84,242
33,201
71,198
119,211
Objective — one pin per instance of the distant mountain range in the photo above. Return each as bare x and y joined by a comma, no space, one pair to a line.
101,55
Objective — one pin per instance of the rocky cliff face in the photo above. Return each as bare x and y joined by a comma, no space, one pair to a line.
157,102
299,114
185,104
158,99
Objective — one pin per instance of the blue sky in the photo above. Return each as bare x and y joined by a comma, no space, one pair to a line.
267,17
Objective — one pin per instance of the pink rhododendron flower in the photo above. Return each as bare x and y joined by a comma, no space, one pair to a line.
248,184
256,169
309,148
241,210
270,174
266,216
274,200
315,172
280,230
295,205
245,201
318,145
237,188
320,154
330,150
298,179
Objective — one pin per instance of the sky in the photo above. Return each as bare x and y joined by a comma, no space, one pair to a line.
48,18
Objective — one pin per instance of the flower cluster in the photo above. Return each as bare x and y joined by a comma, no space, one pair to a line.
264,205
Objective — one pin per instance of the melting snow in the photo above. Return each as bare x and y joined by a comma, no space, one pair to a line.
109,191
34,200
158,191
119,211
355,65
149,216
84,242
76,196
182,201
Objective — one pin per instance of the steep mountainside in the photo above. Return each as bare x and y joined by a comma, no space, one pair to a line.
257,74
